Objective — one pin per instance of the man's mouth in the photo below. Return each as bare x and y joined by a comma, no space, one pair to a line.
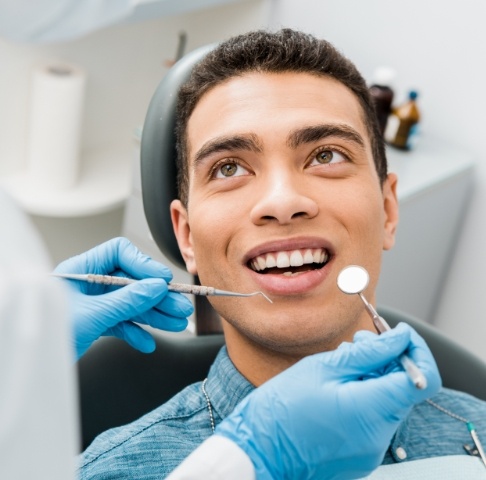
290,263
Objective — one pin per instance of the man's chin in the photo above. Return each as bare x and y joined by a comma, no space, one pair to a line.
287,339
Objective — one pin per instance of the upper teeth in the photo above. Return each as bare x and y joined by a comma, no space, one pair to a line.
292,258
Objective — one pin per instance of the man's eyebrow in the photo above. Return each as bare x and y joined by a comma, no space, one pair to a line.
315,133
248,142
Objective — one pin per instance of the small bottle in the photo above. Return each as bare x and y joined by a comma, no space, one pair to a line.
402,126
382,94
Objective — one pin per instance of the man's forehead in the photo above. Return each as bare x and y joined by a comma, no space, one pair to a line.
306,98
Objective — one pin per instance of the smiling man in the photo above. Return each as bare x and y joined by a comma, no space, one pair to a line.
289,184
282,183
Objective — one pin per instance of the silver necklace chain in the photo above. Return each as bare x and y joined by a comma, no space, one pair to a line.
447,412
210,409
472,431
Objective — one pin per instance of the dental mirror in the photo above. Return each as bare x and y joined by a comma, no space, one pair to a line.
353,279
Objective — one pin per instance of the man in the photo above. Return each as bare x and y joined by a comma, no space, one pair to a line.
282,183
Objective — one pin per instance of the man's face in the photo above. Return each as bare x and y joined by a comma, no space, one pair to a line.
283,194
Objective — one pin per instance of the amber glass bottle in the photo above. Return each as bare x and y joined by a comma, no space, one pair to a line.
382,94
401,130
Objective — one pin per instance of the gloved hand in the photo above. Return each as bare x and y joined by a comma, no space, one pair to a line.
109,310
332,415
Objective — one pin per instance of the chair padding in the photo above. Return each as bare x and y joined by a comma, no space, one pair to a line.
459,368
119,384
158,155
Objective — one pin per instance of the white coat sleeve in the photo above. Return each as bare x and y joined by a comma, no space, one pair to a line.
217,458
38,415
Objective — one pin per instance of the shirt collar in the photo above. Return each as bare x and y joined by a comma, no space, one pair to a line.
226,386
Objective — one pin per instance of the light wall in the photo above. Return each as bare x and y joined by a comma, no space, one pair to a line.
124,64
440,49
436,47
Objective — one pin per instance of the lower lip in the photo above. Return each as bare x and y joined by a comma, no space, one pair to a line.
278,284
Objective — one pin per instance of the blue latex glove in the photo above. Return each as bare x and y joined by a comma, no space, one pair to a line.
109,310
332,415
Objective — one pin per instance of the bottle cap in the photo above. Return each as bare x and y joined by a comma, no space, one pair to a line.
413,94
384,76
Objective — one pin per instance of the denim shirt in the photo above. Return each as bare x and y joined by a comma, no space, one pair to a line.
151,447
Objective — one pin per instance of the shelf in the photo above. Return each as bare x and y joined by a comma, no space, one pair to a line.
430,164
104,185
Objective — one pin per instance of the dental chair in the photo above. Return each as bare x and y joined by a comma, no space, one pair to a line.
118,384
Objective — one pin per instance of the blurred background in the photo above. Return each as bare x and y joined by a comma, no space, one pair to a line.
437,49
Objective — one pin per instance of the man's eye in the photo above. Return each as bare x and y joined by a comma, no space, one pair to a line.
230,169
325,157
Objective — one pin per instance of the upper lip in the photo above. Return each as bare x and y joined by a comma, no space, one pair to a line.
287,245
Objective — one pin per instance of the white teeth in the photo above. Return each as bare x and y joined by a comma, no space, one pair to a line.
296,259
270,261
308,257
292,274
283,260
261,263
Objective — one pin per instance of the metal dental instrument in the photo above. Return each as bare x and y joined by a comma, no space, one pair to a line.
354,280
477,442
173,287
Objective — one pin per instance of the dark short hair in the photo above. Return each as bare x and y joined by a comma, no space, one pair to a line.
273,52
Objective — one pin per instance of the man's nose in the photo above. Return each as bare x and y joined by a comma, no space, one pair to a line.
283,199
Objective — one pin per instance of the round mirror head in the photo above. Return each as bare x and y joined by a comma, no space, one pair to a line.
353,279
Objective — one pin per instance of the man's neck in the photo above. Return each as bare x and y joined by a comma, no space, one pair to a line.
256,362
259,363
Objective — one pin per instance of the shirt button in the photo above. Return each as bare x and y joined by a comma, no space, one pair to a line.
401,453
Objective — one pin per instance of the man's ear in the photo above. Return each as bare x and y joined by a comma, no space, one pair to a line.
182,230
390,205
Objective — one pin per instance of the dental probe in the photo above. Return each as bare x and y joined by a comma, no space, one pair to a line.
353,280
173,287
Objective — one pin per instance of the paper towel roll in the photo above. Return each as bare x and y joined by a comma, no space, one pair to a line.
56,113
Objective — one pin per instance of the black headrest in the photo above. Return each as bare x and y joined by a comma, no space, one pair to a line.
158,155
